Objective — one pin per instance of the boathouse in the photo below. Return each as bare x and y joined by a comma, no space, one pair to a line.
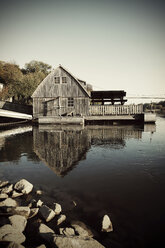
61,94
63,98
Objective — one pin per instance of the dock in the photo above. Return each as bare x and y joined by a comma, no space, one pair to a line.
111,114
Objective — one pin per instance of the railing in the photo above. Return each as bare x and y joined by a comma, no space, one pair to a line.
115,109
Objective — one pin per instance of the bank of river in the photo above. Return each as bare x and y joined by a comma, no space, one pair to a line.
117,170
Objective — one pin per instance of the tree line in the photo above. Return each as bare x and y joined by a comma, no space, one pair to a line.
20,83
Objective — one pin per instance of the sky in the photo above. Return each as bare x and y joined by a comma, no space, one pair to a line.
111,44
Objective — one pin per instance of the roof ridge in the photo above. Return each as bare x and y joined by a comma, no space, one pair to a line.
76,79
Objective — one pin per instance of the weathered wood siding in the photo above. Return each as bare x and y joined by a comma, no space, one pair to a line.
51,99
51,107
102,110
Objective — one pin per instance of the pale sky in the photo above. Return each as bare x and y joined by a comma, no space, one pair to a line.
113,45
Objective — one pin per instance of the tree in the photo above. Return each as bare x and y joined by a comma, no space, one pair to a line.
21,83
11,76
37,66
28,85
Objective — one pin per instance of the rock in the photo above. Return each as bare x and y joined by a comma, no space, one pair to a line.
39,192
106,224
67,231
41,246
39,203
5,229
75,242
3,183
57,208
47,213
33,212
7,189
24,211
3,196
18,222
35,204
82,229
16,237
9,233
61,219
16,194
46,233
8,203
14,245
23,186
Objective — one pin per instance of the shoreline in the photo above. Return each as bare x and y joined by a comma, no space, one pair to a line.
43,217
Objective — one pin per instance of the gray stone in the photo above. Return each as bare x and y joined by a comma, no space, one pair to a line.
61,219
39,203
107,224
7,189
47,213
46,233
76,242
18,222
67,231
14,245
16,194
3,196
3,183
39,192
8,203
24,211
15,237
23,186
57,208
82,229
33,212
33,203
9,233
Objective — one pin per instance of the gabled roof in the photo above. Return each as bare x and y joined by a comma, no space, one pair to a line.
78,81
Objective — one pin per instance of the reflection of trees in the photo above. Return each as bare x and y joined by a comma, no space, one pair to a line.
16,145
61,150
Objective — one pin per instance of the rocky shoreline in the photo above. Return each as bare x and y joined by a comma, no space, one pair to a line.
27,221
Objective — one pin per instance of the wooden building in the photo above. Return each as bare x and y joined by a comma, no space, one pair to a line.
61,94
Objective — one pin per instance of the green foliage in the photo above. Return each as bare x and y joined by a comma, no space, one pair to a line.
21,83
37,66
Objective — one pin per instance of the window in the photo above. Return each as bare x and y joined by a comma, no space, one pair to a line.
64,80
57,80
70,102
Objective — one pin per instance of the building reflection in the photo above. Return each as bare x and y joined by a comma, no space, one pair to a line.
62,147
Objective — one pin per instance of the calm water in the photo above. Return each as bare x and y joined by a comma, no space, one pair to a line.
114,170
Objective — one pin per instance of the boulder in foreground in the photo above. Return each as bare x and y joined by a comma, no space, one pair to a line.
107,224
47,213
23,186
75,242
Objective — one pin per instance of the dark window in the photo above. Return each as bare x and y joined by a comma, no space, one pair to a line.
64,80
70,102
57,80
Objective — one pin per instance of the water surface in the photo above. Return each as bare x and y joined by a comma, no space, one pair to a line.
114,170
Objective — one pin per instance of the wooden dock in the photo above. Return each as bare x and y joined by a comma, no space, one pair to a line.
104,113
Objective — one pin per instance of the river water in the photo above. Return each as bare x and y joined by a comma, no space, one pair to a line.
114,170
